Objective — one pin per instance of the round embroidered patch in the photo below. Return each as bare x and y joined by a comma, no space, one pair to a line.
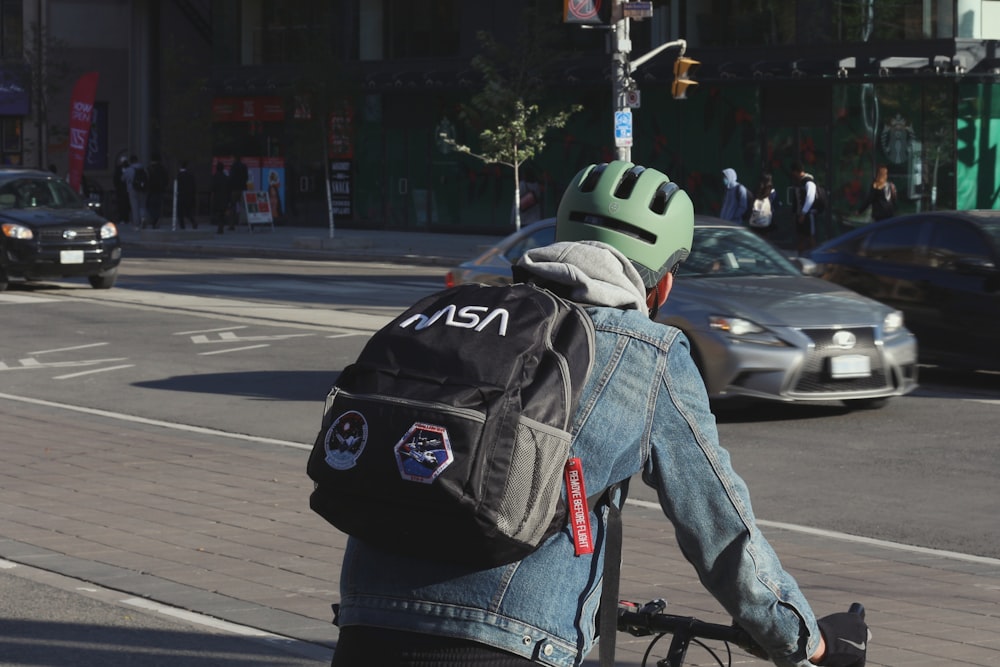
345,440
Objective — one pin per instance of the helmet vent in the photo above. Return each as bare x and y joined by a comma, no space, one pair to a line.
627,184
590,182
619,226
661,199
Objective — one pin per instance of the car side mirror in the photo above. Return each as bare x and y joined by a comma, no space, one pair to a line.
805,265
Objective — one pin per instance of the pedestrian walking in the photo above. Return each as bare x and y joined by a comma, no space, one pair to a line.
123,208
735,202
186,196
808,204
765,201
136,181
156,190
239,177
881,196
222,197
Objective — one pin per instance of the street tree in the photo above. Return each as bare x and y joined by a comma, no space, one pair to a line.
507,105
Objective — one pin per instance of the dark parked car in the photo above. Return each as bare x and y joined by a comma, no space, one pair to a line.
49,231
758,327
940,268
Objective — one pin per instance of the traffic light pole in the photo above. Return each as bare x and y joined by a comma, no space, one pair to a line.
622,82
623,86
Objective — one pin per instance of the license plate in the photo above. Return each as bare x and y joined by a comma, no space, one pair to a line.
850,366
71,257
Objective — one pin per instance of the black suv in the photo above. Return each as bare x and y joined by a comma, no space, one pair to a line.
48,231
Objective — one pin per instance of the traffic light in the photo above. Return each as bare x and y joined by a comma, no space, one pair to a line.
683,70
587,12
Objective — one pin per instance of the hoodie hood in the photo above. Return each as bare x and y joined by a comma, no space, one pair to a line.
594,273
730,175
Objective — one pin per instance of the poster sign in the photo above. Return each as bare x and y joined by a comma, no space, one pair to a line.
80,108
340,187
257,209
341,130
272,178
244,109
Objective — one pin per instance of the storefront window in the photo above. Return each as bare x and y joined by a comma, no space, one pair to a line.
891,20
906,126
772,22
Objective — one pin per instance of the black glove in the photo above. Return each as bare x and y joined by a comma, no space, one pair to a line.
846,636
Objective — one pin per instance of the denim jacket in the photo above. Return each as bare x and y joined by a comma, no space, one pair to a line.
644,410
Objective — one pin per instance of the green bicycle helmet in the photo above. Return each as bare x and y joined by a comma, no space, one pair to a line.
638,211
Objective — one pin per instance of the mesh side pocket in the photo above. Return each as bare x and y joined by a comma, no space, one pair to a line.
534,482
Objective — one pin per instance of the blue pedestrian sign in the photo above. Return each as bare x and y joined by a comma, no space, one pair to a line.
623,128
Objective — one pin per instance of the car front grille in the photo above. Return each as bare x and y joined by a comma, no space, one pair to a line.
815,377
68,236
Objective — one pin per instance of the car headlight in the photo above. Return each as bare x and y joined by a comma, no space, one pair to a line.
893,322
743,330
14,231
109,230
733,325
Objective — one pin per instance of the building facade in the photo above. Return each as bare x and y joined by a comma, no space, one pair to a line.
346,100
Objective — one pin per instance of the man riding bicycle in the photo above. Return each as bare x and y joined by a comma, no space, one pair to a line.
621,232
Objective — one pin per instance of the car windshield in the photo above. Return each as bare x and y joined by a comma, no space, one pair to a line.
38,193
732,251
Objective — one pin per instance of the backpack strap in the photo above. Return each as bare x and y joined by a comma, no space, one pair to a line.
608,621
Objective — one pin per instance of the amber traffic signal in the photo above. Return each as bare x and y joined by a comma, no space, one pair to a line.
684,68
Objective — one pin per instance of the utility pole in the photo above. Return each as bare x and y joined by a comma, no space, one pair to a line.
615,16
625,93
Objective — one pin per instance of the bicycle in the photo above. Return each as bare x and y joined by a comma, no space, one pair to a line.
649,619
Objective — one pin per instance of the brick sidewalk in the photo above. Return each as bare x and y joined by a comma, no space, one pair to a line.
220,525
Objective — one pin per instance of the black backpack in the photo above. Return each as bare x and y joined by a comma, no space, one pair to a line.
449,438
140,180
822,200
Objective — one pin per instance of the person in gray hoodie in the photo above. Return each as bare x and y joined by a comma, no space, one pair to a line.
735,201
621,232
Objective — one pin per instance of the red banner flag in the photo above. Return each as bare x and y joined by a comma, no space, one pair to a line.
80,111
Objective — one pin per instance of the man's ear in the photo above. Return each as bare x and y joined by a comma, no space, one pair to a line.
657,296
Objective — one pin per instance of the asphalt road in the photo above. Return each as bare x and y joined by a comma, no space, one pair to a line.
251,346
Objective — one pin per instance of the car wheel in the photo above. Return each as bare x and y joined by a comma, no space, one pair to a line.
105,280
867,403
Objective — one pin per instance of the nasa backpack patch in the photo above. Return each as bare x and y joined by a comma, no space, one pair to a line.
449,437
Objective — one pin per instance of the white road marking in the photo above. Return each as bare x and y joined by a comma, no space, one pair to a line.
233,349
69,349
199,619
205,331
155,422
229,337
96,370
845,537
32,363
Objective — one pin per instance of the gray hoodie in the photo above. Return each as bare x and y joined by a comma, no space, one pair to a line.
595,272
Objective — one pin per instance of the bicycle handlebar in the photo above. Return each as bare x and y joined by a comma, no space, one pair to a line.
649,619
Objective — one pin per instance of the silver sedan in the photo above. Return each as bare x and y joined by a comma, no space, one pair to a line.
758,327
